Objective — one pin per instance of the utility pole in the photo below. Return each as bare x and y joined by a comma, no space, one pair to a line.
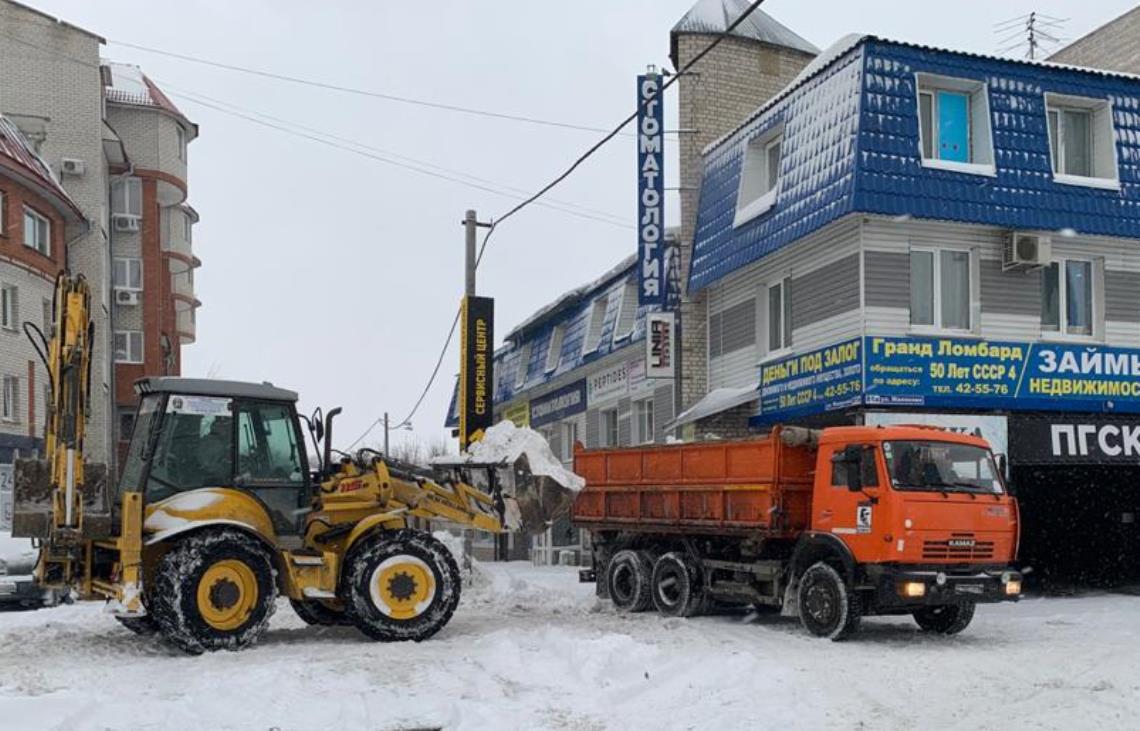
469,225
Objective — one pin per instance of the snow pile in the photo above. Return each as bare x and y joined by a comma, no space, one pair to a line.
505,442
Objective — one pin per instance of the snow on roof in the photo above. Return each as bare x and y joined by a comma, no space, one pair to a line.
26,160
715,16
572,296
129,85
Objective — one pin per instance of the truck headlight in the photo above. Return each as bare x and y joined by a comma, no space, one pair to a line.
913,589
1013,587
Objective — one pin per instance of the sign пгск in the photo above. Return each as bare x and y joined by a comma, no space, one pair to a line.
650,191
1081,440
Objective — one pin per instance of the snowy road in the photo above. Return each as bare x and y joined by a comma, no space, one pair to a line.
530,649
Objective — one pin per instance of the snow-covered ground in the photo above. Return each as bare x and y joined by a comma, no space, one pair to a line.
530,648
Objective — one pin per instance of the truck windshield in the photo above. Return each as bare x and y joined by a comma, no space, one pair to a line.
941,466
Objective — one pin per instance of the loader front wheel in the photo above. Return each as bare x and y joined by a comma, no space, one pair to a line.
214,590
401,585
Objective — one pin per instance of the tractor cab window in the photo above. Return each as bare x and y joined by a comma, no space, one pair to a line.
131,478
268,452
194,447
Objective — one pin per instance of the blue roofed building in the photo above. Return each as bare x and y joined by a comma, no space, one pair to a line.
908,233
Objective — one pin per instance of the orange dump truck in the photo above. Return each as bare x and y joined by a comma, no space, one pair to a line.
832,524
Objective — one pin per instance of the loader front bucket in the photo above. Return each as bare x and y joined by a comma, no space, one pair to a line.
540,499
32,501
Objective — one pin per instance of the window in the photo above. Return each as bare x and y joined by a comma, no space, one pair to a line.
627,312
941,467
10,399
187,225
554,350
643,421
128,273
523,367
732,329
126,197
1081,138
37,232
759,176
594,324
954,124
128,346
780,315
609,427
194,447
181,141
126,424
1067,302
267,446
9,307
940,289
569,436
869,475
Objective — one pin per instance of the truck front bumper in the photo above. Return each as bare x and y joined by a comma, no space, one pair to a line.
915,587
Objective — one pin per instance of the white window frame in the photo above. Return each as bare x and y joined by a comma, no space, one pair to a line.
181,135
9,307
604,428
595,323
626,321
1098,110
757,191
639,427
764,322
130,335
972,270
1096,306
569,435
980,138
554,348
10,399
43,247
127,261
523,367
127,185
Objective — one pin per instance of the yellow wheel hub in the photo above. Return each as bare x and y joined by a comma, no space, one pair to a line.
227,594
403,587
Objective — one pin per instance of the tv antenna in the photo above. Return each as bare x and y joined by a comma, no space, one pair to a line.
1037,33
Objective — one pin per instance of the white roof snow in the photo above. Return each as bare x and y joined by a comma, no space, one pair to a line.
715,16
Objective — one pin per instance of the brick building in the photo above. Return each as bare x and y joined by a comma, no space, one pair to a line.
115,145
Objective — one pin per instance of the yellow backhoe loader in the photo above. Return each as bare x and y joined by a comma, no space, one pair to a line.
218,511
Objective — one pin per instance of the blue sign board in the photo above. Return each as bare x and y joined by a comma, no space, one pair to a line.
951,373
559,404
822,380
650,191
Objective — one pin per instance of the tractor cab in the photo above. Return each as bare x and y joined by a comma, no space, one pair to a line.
194,433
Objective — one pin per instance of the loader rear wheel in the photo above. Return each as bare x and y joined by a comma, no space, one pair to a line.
945,620
214,590
316,612
677,587
401,585
630,578
827,607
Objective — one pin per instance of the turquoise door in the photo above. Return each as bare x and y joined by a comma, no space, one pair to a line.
953,126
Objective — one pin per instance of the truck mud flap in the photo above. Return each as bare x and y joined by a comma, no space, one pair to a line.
32,501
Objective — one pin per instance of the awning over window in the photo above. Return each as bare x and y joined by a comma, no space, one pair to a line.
717,400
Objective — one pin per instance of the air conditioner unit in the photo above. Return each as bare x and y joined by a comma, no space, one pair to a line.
1024,251
127,297
71,166
126,223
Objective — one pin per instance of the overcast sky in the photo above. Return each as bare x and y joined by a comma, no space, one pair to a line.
338,275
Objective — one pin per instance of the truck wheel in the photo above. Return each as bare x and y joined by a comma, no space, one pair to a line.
949,619
827,608
143,626
316,612
401,585
677,587
629,577
214,590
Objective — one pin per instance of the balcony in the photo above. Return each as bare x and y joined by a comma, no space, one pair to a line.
182,284
185,322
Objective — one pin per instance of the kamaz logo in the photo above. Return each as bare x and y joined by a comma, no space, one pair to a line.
961,543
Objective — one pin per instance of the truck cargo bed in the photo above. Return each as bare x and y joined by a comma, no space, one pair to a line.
756,486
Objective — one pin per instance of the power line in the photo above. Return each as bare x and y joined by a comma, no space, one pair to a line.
360,92
565,174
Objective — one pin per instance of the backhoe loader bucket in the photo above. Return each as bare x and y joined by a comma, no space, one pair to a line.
32,503
540,499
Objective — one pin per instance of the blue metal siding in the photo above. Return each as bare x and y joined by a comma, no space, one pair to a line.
817,170
892,180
